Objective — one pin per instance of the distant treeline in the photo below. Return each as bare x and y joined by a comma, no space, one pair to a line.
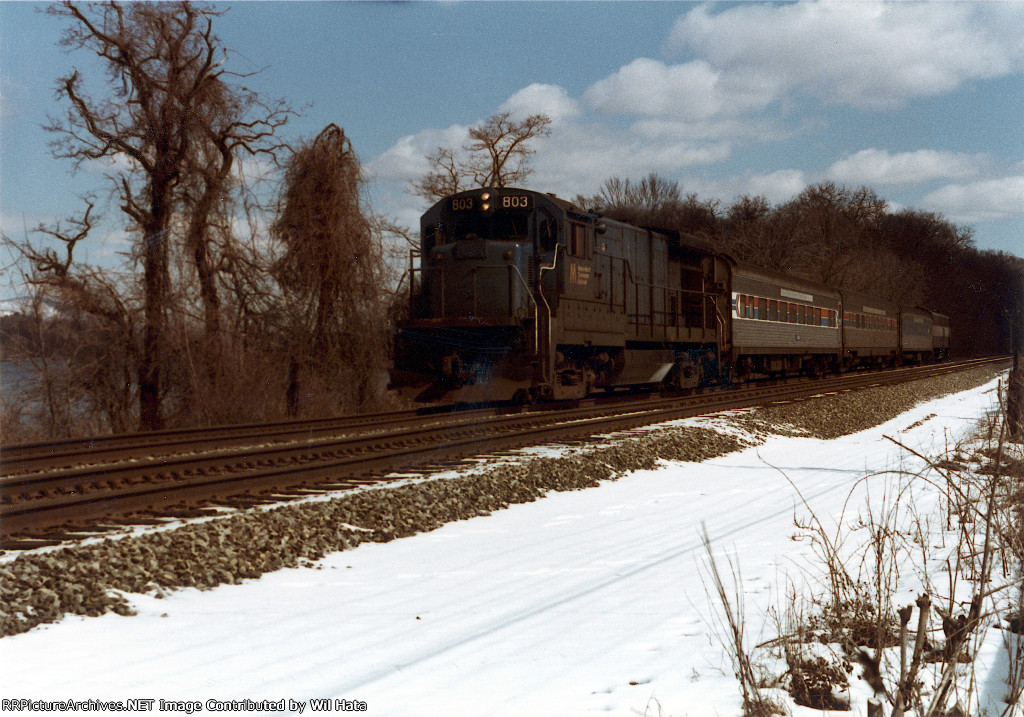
848,239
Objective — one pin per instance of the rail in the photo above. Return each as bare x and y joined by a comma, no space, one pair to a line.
100,492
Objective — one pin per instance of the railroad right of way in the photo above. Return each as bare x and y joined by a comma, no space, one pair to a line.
96,576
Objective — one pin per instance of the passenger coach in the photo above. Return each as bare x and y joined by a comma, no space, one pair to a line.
782,325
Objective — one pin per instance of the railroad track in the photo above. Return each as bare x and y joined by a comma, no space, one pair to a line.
49,490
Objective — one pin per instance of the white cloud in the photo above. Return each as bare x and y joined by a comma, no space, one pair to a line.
691,92
864,54
551,100
878,166
406,159
258,168
778,187
578,155
651,88
984,200
717,129
113,164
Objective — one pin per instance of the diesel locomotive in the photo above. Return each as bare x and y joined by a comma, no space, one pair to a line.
520,295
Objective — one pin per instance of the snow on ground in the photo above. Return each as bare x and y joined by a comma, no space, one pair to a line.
588,602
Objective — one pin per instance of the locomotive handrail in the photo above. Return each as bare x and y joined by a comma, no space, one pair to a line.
701,294
417,254
627,276
548,374
514,268
526,285
433,269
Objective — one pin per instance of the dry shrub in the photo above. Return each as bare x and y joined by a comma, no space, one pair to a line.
333,271
730,629
815,681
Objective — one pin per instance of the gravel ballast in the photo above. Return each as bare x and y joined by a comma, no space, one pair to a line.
94,577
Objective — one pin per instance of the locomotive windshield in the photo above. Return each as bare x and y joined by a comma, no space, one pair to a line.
505,225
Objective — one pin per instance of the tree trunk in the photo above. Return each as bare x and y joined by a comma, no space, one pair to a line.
155,282
1015,394
207,276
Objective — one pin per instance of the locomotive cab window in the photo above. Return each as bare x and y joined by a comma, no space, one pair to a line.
547,230
510,224
578,246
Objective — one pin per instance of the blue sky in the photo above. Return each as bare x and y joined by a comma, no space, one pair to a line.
923,102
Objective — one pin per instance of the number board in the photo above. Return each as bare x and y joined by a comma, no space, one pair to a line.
513,201
502,201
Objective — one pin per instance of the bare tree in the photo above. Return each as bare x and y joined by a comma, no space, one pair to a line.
332,265
832,222
82,357
758,233
447,176
229,129
169,115
497,156
655,201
